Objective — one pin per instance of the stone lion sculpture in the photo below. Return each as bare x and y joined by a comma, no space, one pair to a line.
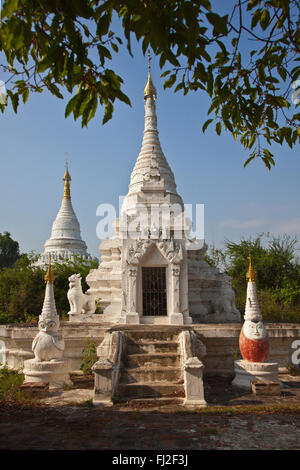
225,301
80,303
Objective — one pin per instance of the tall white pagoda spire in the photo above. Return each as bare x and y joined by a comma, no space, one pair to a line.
151,160
65,240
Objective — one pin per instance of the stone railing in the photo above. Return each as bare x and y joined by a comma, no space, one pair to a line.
107,368
192,349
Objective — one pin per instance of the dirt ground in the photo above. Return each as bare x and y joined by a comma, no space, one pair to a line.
59,424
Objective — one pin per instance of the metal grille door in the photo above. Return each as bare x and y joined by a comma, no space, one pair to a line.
154,291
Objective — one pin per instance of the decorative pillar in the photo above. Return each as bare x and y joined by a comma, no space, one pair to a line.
253,342
193,382
192,351
132,315
176,317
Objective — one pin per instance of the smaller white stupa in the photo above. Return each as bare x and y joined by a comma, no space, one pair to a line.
254,342
65,241
48,346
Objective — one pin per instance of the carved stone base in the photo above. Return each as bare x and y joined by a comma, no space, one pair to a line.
176,319
108,368
84,317
132,318
103,372
198,403
246,372
187,320
193,382
56,372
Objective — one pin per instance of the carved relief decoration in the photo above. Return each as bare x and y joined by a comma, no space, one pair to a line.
170,249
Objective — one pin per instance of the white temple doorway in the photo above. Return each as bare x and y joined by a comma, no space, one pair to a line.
154,291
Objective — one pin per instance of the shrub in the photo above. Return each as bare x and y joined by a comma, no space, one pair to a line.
22,288
10,381
89,358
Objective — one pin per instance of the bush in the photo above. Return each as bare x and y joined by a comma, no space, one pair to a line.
89,358
22,288
278,274
10,381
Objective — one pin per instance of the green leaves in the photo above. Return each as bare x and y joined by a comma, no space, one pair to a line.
206,124
219,23
71,105
108,112
265,19
25,95
252,156
55,91
171,80
104,89
9,7
218,128
268,158
14,100
69,45
103,24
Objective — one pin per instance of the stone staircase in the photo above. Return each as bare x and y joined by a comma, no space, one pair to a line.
151,369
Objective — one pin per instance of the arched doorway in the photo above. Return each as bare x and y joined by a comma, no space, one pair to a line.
154,291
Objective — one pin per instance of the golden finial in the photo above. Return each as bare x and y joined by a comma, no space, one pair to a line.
67,179
149,88
251,274
49,276
149,61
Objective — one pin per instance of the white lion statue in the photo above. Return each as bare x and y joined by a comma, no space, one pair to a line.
225,301
79,302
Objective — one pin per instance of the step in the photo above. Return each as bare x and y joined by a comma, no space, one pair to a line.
152,335
151,346
153,359
149,402
149,390
151,374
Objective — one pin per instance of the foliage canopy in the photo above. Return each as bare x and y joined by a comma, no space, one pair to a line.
278,273
246,61
22,288
9,250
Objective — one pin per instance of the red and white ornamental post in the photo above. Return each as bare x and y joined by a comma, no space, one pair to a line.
254,342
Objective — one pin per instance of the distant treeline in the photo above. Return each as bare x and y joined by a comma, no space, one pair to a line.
277,266
22,286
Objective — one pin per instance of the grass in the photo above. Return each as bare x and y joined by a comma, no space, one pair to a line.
10,381
245,409
293,370
88,403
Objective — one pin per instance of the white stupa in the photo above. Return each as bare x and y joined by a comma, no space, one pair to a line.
49,363
65,241
152,270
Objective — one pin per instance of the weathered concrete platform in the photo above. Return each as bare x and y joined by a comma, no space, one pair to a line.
221,341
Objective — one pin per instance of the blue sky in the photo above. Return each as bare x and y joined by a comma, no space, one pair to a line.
208,169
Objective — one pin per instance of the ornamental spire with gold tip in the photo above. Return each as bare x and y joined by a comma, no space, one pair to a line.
164,191
251,274
65,240
149,89
67,178
49,276
49,308
252,311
